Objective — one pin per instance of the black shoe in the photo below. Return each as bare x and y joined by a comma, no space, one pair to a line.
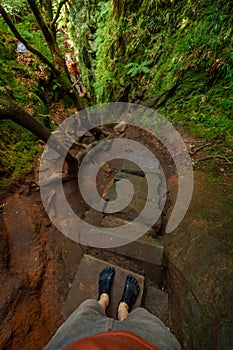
131,291
106,280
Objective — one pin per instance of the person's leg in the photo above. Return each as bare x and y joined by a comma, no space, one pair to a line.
104,301
88,319
123,311
77,325
141,322
149,327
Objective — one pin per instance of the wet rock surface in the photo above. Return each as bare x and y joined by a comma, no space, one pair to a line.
199,265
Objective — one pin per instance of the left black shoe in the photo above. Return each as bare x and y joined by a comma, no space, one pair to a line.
106,278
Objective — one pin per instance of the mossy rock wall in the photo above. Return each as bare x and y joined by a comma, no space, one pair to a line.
174,56
199,265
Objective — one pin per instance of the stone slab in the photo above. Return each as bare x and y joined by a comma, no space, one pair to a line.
85,285
145,249
115,221
140,184
140,198
156,302
137,162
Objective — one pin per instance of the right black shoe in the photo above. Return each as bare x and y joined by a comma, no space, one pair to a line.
131,291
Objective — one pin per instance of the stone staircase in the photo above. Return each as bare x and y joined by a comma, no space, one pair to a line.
141,258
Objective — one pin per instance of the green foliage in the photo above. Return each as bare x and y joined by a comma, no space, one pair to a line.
17,145
29,30
154,45
136,68
28,80
7,48
15,7
81,28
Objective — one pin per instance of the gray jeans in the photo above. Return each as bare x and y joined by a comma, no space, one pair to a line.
89,319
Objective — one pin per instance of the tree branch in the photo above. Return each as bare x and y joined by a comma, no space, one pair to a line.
20,38
49,10
10,110
214,157
57,14
57,64
199,148
41,22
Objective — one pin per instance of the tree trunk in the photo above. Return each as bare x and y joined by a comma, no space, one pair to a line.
49,31
10,110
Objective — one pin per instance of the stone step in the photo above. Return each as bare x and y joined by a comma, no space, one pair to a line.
147,250
135,202
156,302
116,221
141,162
85,285
144,249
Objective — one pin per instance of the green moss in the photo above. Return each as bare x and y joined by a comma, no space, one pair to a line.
17,154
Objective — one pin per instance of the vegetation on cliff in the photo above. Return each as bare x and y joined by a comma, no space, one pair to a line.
171,55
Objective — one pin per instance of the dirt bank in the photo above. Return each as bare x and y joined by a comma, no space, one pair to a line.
38,264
